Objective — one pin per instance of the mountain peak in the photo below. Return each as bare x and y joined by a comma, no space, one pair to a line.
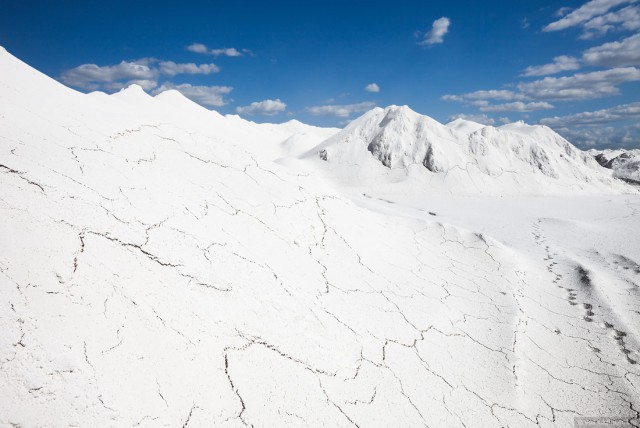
132,93
400,112
134,88
515,158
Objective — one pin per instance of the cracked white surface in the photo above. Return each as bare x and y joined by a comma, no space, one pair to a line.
157,269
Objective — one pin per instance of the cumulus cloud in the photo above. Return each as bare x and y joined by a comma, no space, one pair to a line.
210,96
580,86
598,17
479,118
537,94
560,63
602,137
203,49
613,114
198,48
615,54
627,18
171,68
439,29
587,129
562,11
344,110
372,87
265,108
144,72
92,76
585,13
492,94
227,52
517,106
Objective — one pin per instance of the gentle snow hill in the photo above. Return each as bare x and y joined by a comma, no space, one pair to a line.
129,109
624,163
396,144
157,268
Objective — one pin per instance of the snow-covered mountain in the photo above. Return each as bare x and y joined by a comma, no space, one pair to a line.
158,268
397,144
624,163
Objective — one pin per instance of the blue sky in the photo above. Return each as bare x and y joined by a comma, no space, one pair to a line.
569,64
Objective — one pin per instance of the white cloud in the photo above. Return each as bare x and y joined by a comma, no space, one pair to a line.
560,63
198,48
517,106
144,72
536,95
586,128
584,86
211,96
479,98
479,118
459,98
92,76
602,137
171,68
562,12
203,49
225,52
613,114
627,18
265,108
438,30
340,110
615,54
372,87
585,13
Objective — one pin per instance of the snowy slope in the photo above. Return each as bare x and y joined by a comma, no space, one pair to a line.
397,144
157,268
624,163
464,126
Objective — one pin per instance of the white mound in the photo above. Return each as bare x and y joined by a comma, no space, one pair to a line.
464,157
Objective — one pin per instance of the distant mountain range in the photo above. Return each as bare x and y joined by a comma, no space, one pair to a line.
625,164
